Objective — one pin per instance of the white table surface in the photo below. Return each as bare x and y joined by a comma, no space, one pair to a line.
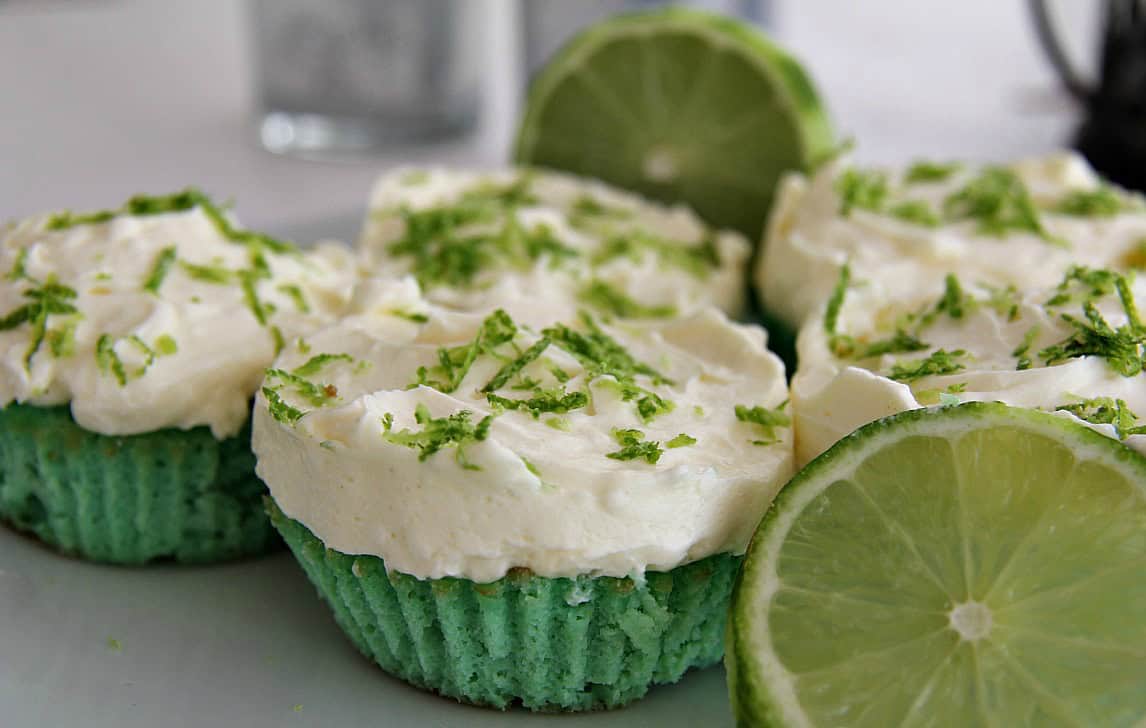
100,99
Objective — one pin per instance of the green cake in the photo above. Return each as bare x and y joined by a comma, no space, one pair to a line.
525,506
131,344
171,494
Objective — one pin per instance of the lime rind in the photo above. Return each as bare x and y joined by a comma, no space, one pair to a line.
811,132
761,687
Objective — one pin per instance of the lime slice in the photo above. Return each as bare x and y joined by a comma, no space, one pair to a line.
974,565
681,105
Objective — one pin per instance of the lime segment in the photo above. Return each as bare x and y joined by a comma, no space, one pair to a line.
681,105
974,565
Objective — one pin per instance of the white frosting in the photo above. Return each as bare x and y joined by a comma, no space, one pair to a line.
808,239
832,396
221,348
644,277
545,499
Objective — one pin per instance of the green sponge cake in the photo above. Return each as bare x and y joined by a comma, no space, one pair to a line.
131,343
524,506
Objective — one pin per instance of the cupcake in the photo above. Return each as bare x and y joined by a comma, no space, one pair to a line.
478,240
1076,349
901,231
131,344
514,508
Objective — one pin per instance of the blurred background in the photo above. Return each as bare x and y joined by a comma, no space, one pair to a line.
100,99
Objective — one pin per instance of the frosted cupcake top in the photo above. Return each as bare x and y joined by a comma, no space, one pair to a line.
465,444
478,240
1077,348
1022,224
163,313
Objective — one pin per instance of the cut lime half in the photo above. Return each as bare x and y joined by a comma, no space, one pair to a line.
681,105
977,565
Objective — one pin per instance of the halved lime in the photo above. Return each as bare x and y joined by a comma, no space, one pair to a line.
974,565
681,105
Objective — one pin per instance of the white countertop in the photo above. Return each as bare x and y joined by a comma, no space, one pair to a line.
106,98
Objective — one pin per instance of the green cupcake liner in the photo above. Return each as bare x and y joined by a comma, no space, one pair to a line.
551,644
169,494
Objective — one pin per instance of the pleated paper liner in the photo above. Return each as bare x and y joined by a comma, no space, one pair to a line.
550,644
176,495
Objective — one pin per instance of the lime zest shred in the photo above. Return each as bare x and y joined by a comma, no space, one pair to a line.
1101,201
608,299
1020,351
316,363
111,363
444,252
455,362
294,291
635,447
600,354
108,360
938,363
187,199
560,424
1085,284
165,345
62,339
147,352
1106,411
587,209
998,201
556,401
278,339
901,342
864,189
1003,300
216,274
19,266
765,419
1124,347
530,466
559,374
927,171
45,300
954,302
416,317
279,408
511,369
316,395
836,301
159,269
699,259
917,212
455,430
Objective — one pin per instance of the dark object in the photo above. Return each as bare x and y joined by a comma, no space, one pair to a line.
1113,134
